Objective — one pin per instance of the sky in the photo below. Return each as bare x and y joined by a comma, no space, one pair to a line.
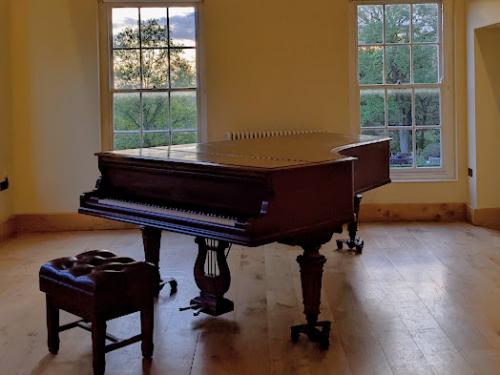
182,21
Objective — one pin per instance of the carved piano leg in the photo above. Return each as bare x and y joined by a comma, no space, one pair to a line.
212,275
151,238
353,242
311,271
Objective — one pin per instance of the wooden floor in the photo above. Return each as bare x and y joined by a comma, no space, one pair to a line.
422,299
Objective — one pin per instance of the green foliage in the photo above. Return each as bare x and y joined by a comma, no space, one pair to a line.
184,137
427,105
425,64
372,108
126,111
124,141
371,65
154,110
425,23
370,19
184,110
398,64
428,148
397,23
399,107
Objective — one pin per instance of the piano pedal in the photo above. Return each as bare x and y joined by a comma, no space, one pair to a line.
196,307
198,311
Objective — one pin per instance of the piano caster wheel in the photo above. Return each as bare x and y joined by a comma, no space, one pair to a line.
294,335
171,282
324,343
359,247
318,332
173,286
340,244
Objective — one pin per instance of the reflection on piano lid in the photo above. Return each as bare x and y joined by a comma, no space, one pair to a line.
269,153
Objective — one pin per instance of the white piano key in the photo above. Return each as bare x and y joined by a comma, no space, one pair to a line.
200,216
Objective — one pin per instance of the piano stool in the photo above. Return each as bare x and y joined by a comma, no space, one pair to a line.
98,286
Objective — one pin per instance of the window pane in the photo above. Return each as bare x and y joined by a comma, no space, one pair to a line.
429,148
427,107
156,139
125,24
397,23
155,68
401,148
124,141
183,68
126,111
182,26
425,64
370,24
399,107
126,69
398,64
370,65
184,110
154,31
155,110
374,132
425,23
372,108
180,138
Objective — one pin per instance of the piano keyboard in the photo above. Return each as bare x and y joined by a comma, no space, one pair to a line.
176,212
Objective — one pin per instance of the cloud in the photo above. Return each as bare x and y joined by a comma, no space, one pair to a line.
183,27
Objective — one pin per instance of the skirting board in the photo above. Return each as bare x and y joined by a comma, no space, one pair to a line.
369,213
6,229
61,223
484,217
413,212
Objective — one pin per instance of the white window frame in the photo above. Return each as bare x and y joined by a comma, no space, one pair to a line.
448,170
106,63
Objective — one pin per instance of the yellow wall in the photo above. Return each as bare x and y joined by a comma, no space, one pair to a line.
5,125
483,72
55,103
276,64
487,71
482,13
269,64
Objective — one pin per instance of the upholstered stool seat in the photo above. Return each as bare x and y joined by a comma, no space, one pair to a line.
97,286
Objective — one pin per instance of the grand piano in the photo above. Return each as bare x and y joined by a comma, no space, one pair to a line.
294,189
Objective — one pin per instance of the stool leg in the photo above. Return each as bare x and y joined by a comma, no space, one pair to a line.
52,325
98,345
147,324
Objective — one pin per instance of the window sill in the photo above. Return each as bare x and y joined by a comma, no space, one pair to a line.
427,175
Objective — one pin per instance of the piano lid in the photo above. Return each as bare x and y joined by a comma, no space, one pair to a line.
267,153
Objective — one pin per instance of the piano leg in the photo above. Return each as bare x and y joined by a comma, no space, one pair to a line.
353,242
151,238
311,272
